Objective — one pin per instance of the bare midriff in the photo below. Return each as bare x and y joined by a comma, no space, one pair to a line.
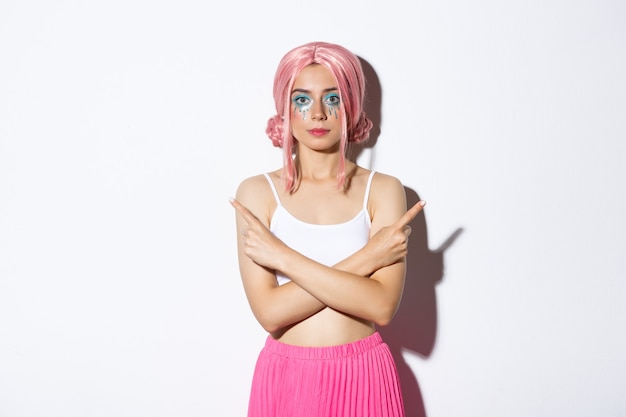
328,327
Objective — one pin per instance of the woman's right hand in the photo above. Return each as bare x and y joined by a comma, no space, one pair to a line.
390,244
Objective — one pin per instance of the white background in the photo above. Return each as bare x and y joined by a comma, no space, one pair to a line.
126,125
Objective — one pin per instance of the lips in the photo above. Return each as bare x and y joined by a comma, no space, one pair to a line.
318,131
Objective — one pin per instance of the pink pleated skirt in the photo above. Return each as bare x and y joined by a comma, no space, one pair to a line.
352,380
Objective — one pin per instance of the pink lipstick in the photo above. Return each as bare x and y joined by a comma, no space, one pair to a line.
318,131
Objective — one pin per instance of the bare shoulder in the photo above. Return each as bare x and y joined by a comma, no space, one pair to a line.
386,181
385,187
250,186
387,202
256,194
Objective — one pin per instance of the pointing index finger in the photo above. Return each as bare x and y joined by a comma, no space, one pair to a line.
242,210
410,214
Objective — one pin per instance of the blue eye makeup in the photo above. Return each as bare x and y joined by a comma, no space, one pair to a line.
332,100
302,103
302,100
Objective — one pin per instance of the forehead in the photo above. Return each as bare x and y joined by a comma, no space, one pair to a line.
314,77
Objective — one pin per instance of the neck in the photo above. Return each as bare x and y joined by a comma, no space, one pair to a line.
318,166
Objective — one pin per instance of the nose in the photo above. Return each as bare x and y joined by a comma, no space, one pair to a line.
318,111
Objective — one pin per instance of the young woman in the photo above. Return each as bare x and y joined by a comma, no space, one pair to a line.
322,245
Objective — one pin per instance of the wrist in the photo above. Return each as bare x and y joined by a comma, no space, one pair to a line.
282,260
369,262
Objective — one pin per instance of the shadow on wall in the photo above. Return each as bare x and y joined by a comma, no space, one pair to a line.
372,108
414,327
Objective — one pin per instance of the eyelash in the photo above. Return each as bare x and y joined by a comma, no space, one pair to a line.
301,100
332,100
329,100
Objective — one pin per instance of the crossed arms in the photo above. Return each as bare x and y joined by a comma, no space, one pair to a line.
368,284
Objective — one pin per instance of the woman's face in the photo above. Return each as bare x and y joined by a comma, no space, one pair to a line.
315,111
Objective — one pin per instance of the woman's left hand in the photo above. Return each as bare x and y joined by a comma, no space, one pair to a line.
259,244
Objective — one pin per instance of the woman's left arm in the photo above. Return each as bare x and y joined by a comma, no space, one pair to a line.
375,299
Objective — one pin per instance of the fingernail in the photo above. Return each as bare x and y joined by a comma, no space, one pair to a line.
422,203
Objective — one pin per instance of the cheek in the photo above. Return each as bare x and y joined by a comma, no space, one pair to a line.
300,112
334,111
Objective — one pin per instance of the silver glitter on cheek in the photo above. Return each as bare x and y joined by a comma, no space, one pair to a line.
303,110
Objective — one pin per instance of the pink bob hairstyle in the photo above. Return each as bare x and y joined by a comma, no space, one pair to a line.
348,74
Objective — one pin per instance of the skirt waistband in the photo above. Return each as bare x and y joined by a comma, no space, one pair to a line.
323,352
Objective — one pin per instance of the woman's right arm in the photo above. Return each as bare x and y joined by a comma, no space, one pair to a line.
274,306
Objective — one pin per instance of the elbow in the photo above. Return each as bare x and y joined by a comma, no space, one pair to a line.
384,311
384,316
383,321
269,325
271,316
271,328
269,322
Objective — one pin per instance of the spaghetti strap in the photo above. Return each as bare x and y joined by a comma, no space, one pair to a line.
273,188
367,189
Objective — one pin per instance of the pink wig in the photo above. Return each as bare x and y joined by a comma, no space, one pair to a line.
348,74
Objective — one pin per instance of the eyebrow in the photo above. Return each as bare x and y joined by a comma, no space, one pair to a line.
302,90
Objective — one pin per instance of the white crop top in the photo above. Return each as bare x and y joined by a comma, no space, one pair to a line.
325,243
